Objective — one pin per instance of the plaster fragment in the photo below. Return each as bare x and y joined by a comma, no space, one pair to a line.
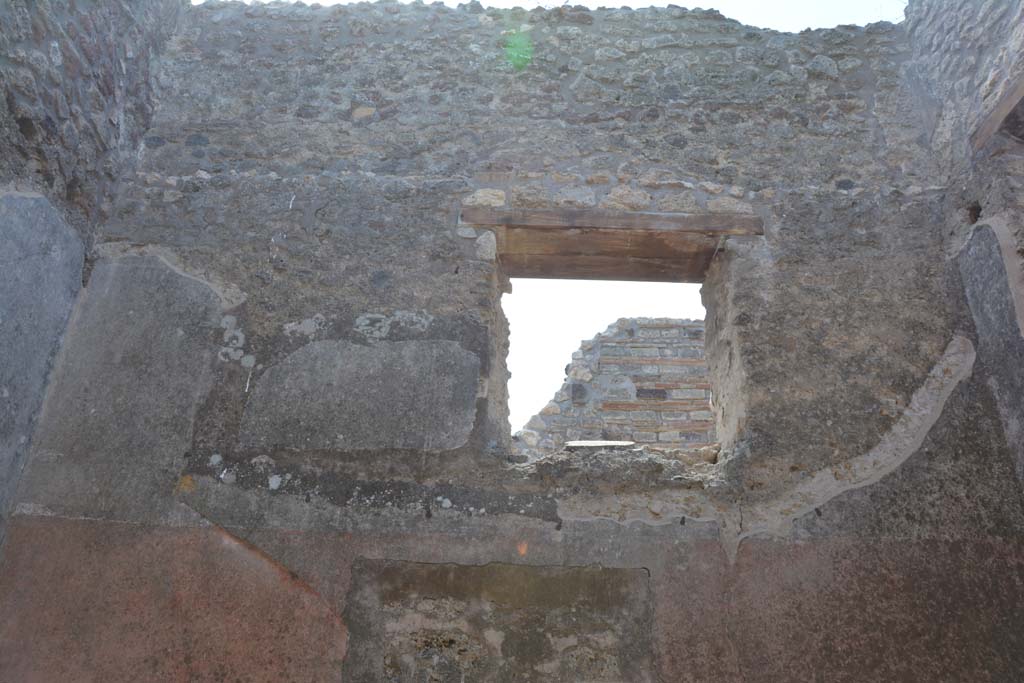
486,246
308,327
485,197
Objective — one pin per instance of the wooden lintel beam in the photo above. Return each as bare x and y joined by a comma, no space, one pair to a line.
605,267
993,120
542,219
602,241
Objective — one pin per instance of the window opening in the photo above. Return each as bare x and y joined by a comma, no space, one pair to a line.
607,361
631,246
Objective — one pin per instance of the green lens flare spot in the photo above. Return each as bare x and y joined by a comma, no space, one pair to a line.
519,50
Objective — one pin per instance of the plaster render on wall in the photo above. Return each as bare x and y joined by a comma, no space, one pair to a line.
993,283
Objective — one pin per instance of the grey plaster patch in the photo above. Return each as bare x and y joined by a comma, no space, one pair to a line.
339,395
376,326
486,246
308,327
233,339
118,416
40,274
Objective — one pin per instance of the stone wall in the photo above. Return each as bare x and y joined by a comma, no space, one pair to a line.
76,93
976,77
78,89
968,55
643,380
366,126
277,423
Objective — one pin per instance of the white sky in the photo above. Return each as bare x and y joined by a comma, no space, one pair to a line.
549,318
781,15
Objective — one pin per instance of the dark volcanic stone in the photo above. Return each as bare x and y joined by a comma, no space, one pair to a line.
40,273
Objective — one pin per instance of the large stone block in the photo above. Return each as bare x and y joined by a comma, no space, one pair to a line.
339,395
40,274
117,421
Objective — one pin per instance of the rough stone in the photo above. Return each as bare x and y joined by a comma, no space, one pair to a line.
363,113
78,89
530,196
823,67
681,202
625,198
341,396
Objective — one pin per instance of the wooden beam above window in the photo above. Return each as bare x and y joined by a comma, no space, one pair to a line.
992,121
594,244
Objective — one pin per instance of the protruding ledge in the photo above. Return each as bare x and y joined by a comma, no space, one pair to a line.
594,244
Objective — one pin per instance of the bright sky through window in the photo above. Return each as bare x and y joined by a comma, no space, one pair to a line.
549,318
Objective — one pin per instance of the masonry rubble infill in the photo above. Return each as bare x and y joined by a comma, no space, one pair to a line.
643,380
